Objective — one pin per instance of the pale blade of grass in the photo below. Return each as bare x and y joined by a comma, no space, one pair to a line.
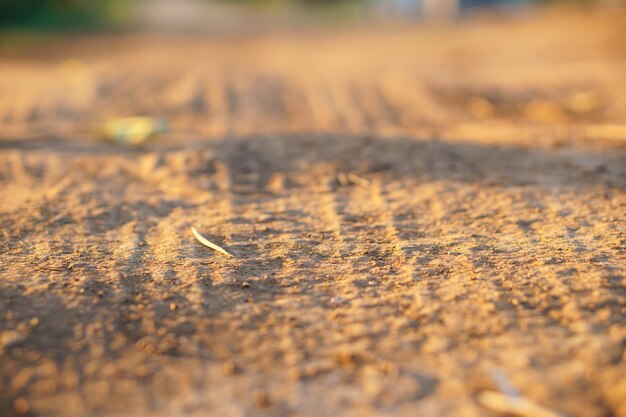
206,242
514,405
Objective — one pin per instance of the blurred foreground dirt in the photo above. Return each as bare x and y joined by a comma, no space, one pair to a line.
412,210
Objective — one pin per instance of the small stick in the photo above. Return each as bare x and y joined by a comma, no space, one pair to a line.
343,179
514,405
206,242
355,179
350,178
510,401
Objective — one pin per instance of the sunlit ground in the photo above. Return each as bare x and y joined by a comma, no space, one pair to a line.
425,214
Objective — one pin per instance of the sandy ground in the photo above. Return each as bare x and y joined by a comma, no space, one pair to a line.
413,212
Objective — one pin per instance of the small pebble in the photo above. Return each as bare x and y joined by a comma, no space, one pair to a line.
230,368
261,399
20,405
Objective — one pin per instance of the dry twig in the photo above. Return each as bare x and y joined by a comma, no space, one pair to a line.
510,401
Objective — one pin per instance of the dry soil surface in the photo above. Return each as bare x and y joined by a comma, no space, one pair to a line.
414,213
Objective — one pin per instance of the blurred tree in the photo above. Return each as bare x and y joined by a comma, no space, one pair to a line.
43,14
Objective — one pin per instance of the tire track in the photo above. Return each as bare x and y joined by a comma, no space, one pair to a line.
323,114
352,119
396,247
218,124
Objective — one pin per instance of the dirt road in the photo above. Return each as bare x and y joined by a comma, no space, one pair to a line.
412,211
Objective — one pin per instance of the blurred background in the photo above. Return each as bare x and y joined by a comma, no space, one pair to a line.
235,67
220,14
